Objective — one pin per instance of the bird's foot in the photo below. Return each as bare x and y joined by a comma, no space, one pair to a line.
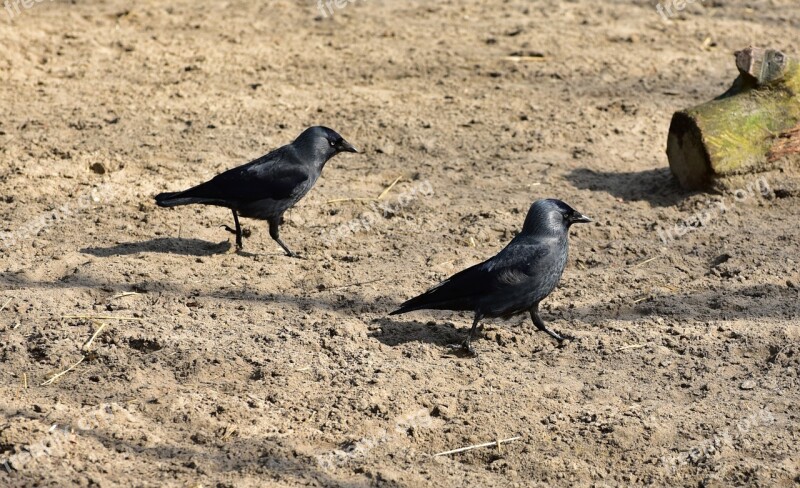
552,334
292,254
562,340
246,232
565,339
463,349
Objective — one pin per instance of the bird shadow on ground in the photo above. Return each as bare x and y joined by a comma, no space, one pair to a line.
352,304
165,245
394,332
266,457
656,186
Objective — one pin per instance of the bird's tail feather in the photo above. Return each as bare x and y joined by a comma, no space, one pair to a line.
447,296
173,199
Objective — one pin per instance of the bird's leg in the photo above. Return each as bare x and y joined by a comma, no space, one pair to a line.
539,323
237,231
274,232
466,346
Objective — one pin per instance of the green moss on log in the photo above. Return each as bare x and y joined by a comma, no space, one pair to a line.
735,132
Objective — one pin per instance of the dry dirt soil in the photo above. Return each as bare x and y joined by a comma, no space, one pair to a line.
221,369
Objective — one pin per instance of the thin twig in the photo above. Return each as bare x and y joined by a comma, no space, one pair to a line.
517,59
59,375
340,200
358,199
25,380
3,307
123,295
99,317
389,188
631,346
88,343
353,284
477,446
645,261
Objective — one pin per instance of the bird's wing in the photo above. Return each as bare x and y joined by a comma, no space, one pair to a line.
513,266
516,264
275,176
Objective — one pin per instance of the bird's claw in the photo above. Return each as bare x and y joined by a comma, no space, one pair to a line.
562,340
463,349
554,335
246,232
565,339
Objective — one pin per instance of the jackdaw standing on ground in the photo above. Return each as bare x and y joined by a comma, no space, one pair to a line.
265,188
516,279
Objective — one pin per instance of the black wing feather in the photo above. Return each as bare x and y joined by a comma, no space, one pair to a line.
274,176
508,269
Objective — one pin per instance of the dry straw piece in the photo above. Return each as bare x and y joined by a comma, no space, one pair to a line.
59,375
478,446
100,328
380,197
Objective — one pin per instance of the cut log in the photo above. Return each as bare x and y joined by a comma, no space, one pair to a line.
743,129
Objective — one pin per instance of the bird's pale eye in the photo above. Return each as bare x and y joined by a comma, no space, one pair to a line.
333,143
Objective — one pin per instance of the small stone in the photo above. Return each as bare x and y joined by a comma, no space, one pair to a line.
748,385
98,168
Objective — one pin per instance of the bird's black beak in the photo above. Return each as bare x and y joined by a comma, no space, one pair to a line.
345,146
577,218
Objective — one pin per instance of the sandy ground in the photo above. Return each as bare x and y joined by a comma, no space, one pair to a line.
219,369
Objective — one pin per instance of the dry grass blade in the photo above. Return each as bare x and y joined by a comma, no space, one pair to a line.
642,263
123,295
525,59
59,375
444,263
631,346
496,443
88,343
340,200
357,199
389,188
353,284
3,307
99,317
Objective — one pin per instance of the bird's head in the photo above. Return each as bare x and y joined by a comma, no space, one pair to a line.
551,216
322,143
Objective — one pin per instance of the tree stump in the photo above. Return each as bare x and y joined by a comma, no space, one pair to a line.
754,123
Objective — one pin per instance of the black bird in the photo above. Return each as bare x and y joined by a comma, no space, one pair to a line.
265,188
516,279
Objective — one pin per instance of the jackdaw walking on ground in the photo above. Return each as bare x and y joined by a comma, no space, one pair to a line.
516,279
265,188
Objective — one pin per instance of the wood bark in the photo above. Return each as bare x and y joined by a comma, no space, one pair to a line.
754,123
